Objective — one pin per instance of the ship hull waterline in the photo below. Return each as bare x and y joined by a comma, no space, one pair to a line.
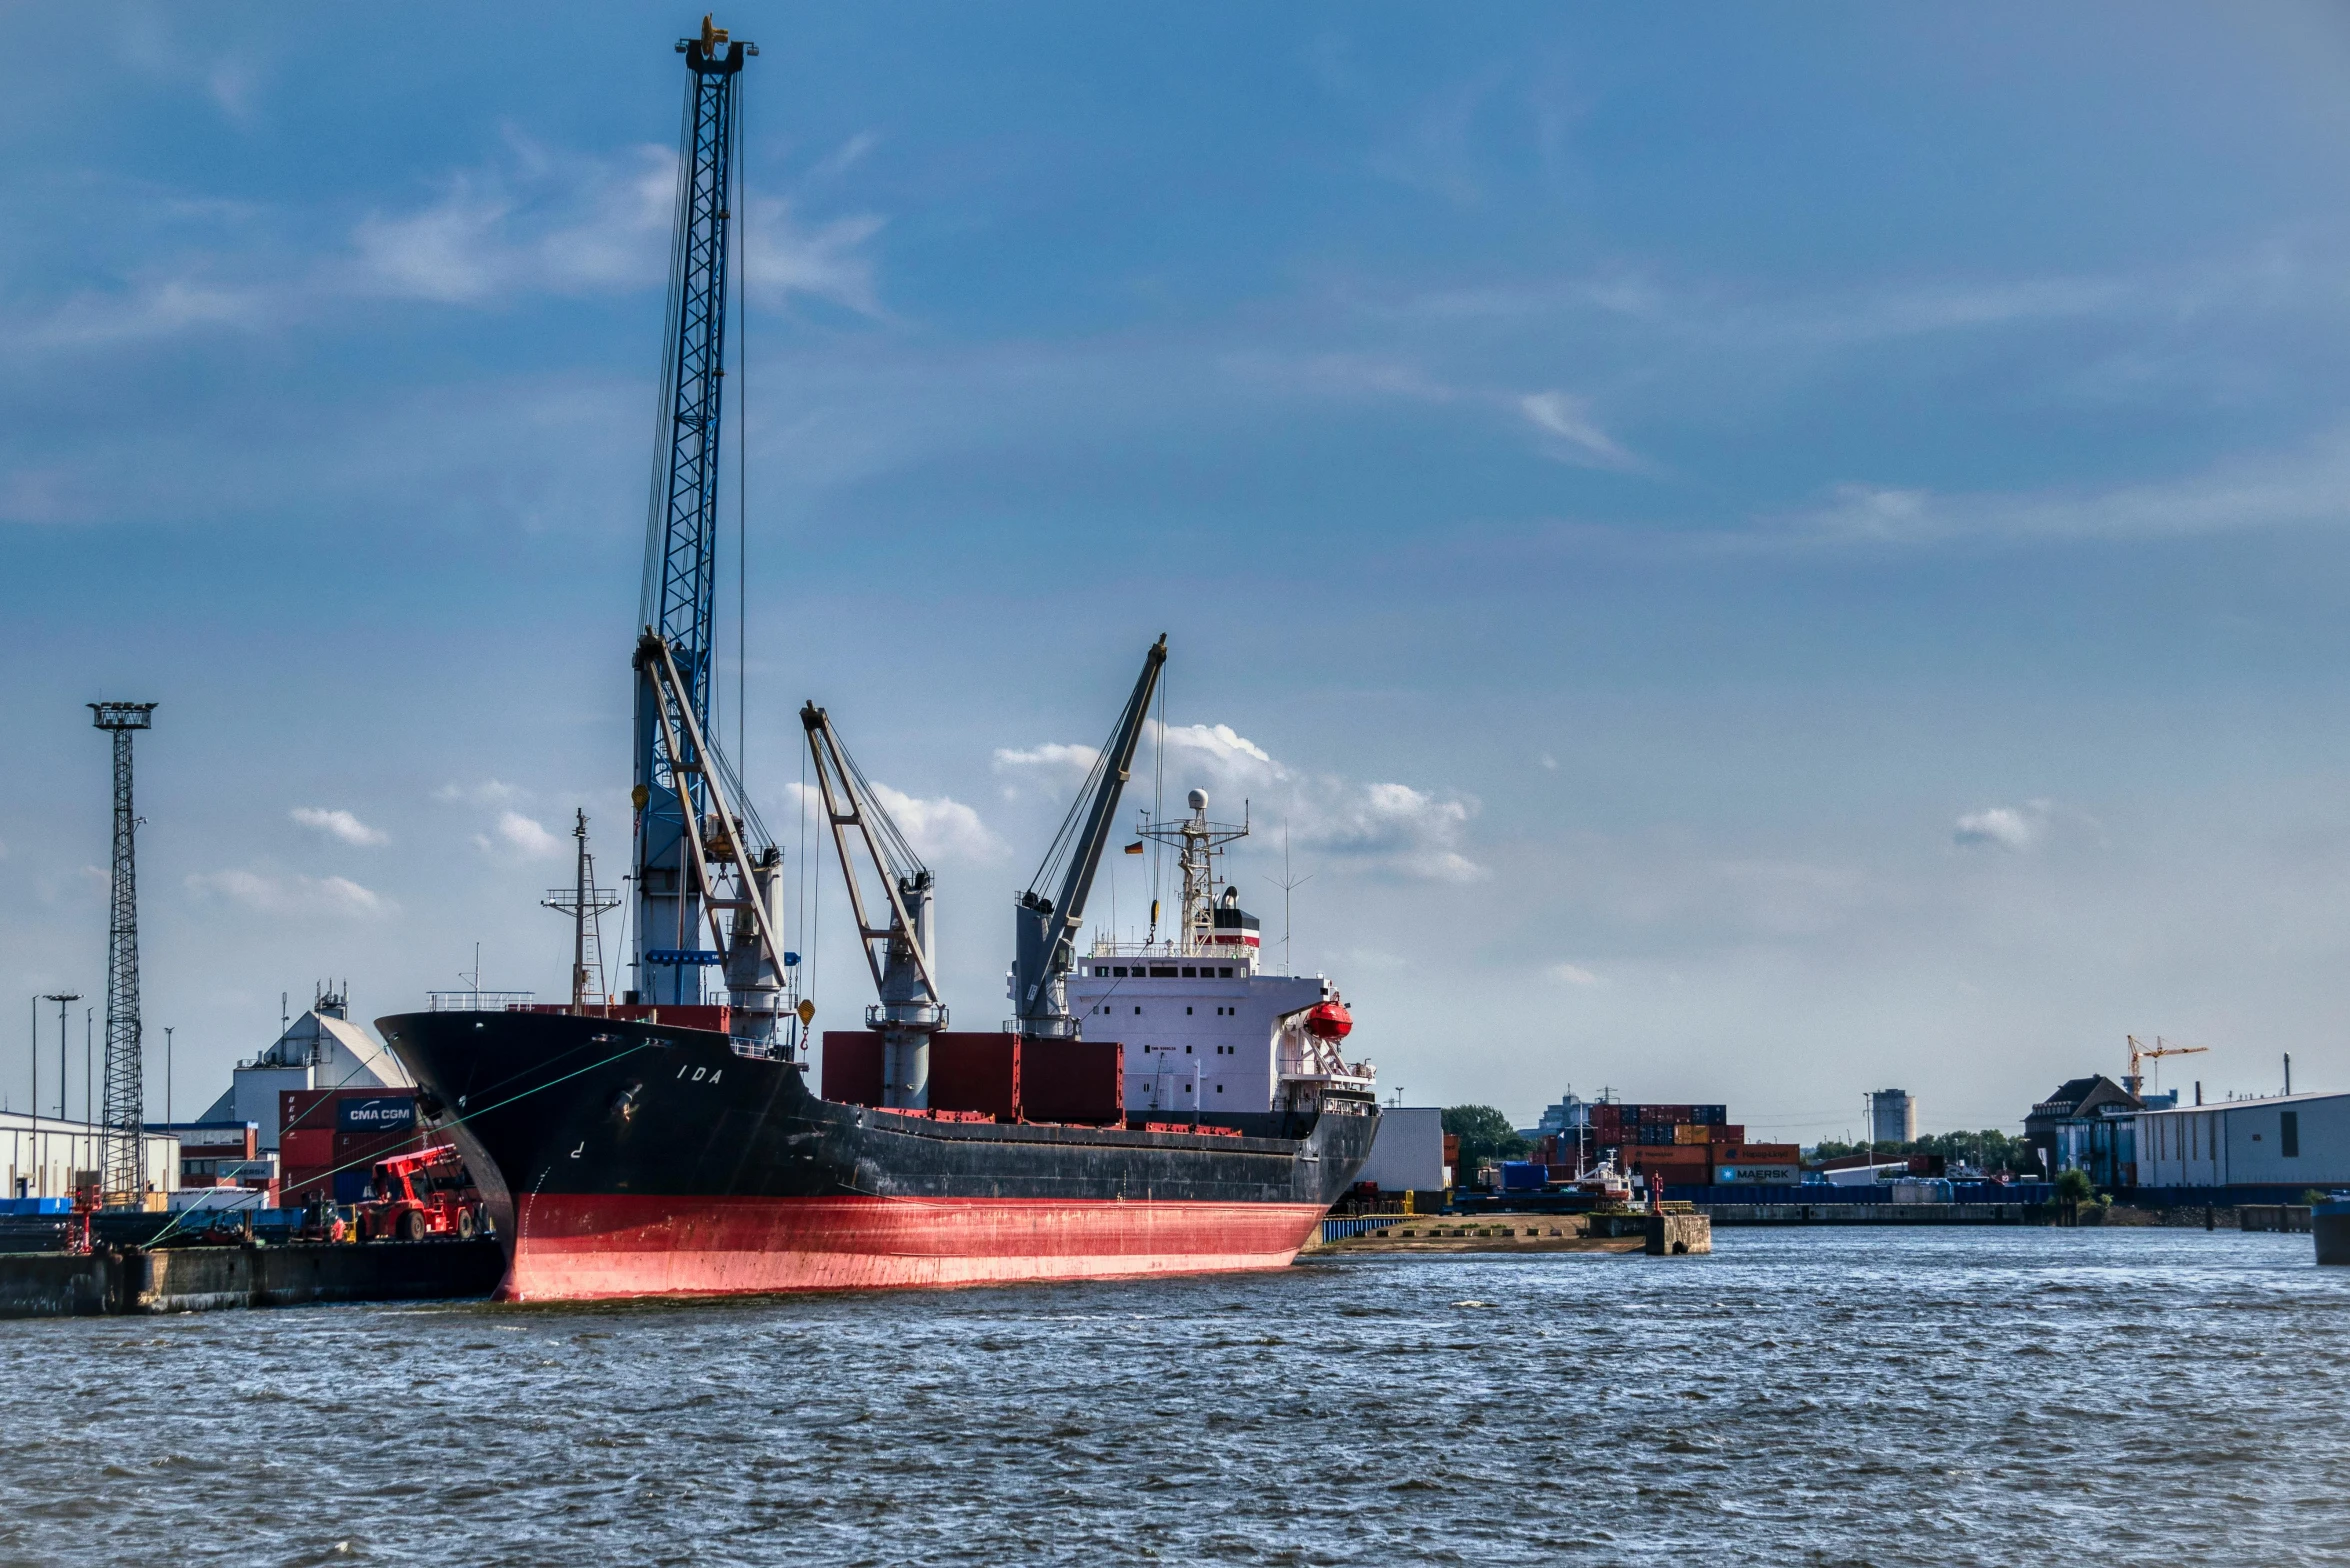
627,1159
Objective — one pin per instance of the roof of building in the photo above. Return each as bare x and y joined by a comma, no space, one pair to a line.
2079,1098
2256,1102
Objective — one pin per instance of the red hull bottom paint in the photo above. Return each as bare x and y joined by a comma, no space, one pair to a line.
595,1247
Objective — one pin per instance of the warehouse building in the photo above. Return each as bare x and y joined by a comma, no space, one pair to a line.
2290,1140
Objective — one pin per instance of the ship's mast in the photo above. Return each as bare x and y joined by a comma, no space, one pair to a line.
1197,842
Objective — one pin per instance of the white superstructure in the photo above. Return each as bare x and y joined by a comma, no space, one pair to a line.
1204,1029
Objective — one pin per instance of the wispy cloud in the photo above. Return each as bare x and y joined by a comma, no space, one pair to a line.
337,823
2302,486
2011,828
1577,439
272,893
1573,974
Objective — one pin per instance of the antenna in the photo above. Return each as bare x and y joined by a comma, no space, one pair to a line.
1288,885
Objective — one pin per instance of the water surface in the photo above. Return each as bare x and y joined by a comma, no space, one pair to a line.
1992,1397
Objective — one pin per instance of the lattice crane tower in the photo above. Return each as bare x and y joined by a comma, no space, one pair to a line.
126,1079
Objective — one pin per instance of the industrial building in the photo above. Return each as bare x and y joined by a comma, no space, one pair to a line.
322,1049
2088,1124
1893,1116
1407,1152
2290,1140
48,1158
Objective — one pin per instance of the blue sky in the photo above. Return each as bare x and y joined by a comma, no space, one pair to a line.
1759,555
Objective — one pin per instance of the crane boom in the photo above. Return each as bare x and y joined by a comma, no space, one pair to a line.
1045,925
901,952
680,580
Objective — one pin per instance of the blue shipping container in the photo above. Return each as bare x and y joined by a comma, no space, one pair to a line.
1523,1176
36,1205
350,1186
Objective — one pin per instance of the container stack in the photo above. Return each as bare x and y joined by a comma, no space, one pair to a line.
332,1136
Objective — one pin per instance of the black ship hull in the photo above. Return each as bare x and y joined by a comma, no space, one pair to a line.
628,1158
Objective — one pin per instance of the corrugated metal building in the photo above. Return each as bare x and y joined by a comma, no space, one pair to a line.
2300,1140
44,1154
1407,1152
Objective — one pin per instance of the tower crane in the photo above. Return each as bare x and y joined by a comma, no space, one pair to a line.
695,854
1046,923
901,953
2136,1083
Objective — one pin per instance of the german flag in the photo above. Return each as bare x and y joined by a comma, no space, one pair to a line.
1134,848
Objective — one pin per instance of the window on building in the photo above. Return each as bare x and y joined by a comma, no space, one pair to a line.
2289,1133
1191,971
1224,973
1187,1012
1163,972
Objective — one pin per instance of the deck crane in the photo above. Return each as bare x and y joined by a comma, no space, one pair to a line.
902,953
2135,1083
695,854
1046,924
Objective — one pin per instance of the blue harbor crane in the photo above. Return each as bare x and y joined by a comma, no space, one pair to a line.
673,766
1047,917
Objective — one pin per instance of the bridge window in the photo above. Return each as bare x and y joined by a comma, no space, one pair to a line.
1224,973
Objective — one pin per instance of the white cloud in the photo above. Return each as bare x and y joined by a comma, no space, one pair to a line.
941,829
1550,764
1394,827
272,894
525,836
338,823
1054,758
1577,439
2002,827
1573,974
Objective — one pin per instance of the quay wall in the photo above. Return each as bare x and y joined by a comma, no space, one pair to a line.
212,1279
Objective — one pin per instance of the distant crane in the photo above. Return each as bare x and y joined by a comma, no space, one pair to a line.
902,953
1049,914
2136,1082
124,1162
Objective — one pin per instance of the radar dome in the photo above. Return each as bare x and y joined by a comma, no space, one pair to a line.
1199,800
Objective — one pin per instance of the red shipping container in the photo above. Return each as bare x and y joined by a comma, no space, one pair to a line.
1073,1081
852,1066
304,1147
976,1072
1726,1132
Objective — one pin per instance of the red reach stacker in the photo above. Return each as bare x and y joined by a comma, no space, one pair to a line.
419,1194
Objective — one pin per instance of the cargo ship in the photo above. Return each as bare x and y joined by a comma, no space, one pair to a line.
636,1157
667,1141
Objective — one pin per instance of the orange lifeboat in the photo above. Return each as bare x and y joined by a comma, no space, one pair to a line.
1330,1021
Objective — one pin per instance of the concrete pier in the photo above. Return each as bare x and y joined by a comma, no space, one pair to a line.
212,1279
1679,1235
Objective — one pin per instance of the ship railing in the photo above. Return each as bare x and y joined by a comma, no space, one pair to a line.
1168,949
477,1001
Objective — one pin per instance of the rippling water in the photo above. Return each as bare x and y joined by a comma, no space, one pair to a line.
1992,1397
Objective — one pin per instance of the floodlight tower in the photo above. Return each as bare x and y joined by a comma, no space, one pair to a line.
123,1165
